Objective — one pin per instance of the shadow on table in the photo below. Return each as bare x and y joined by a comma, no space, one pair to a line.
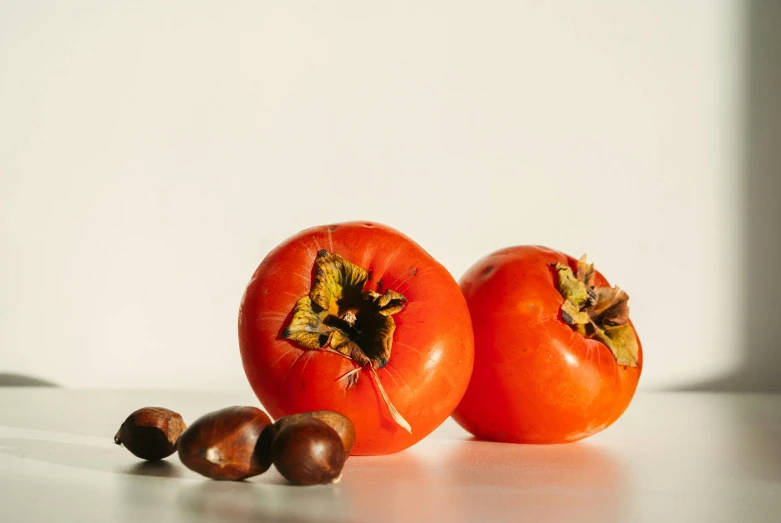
398,487
248,501
154,469
88,457
567,482
8,379
756,421
458,482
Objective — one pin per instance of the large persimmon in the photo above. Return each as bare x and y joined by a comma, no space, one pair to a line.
357,318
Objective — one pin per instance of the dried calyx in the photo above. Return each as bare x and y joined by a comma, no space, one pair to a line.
601,313
338,315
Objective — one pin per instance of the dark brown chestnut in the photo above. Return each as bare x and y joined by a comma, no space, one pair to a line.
308,452
222,444
339,422
151,433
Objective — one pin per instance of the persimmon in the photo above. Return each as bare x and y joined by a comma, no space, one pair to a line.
556,356
357,318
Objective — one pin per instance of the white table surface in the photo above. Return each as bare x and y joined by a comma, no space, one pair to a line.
672,457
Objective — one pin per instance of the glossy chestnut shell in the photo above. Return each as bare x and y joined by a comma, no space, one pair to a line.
222,444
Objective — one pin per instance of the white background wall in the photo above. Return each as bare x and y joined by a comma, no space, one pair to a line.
152,153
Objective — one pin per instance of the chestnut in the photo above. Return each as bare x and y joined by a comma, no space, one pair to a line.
151,433
307,451
339,422
222,444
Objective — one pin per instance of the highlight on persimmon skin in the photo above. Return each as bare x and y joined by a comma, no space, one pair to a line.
357,318
556,357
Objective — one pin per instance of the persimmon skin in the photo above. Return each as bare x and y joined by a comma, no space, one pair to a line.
535,380
433,345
